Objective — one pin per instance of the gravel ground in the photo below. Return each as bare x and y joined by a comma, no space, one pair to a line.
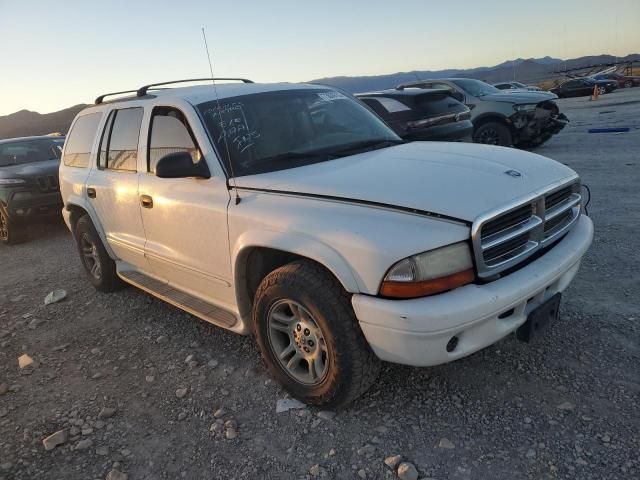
193,401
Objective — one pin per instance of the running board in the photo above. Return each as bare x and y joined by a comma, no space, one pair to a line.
185,301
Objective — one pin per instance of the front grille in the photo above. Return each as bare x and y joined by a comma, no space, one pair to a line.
48,183
503,240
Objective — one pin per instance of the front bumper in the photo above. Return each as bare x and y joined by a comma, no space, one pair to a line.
29,205
539,124
416,332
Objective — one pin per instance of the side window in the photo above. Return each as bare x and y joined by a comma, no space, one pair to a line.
170,133
392,106
119,143
375,105
80,140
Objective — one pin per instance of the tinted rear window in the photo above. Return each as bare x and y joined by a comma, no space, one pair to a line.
80,140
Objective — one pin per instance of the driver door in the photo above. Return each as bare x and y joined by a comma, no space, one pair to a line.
185,219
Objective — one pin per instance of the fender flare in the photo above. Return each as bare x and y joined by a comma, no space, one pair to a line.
292,242
80,203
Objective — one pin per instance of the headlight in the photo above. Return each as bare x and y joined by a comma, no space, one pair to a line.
525,107
10,181
431,272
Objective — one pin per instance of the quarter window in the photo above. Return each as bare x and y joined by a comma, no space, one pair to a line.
170,133
119,144
80,140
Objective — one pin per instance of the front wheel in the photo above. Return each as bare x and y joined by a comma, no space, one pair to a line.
602,90
493,133
309,337
100,268
10,233
628,84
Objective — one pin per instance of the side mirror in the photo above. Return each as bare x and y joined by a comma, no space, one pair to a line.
180,165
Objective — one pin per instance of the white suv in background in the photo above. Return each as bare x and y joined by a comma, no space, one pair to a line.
294,213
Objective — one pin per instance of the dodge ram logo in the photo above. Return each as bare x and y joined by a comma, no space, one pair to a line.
513,173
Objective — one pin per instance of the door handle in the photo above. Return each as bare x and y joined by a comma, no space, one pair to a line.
146,201
91,192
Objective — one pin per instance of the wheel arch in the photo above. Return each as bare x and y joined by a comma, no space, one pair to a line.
76,211
490,117
259,253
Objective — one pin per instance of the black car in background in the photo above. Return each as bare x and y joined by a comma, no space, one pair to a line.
29,188
419,114
582,87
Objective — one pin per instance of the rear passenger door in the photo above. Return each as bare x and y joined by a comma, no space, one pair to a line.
112,187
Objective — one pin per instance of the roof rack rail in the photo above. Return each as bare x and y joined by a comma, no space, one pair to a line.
142,91
101,98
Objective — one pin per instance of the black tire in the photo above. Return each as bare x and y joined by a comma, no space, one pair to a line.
493,133
628,84
86,236
351,365
10,232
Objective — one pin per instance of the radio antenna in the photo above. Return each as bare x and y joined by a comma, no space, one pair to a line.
224,134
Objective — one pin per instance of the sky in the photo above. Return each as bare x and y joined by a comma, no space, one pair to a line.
56,54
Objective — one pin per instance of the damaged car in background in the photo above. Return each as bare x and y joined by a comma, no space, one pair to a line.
519,119
417,114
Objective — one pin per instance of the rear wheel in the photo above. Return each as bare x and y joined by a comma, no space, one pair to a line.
493,133
628,84
309,337
602,90
98,265
10,233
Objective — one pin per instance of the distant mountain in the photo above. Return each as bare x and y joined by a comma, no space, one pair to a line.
530,70
25,123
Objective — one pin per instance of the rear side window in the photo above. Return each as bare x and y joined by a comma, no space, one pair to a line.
80,140
119,143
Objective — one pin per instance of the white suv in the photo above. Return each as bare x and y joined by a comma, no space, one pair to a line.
294,213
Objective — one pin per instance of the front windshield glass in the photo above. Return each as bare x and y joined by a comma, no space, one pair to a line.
29,151
270,131
476,88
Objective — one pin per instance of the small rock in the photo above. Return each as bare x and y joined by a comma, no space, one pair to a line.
25,361
95,351
219,413
446,443
393,461
116,475
84,444
73,431
527,420
231,433
190,358
182,392
286,404
406,471
182,416
55,439
213,363
162,339
367,450
332,452
149,378
106,412
606,438
231,424
96,376
362,473
87,431
55,297
566,406
582,462
4,388
326,414
194,344
315,470
64,346
531,453
102,451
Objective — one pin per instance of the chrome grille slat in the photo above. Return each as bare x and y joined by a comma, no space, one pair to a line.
504,239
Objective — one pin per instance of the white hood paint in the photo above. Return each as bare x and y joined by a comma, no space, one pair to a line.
460,180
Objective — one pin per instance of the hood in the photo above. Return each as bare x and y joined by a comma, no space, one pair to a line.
28,171
520,96
459,180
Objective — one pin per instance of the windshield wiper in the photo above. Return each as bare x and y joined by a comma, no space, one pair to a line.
364,145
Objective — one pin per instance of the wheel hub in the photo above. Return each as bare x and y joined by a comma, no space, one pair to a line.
297,342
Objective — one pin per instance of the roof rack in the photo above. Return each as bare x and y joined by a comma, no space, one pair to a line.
142,91
101,98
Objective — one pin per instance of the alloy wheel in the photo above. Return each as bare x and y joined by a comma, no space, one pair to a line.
90,256
297,342
489,136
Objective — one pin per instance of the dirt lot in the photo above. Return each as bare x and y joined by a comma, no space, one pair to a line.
563,407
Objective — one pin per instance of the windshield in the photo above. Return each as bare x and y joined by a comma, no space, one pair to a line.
272,131
518,84
476,88
29,151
